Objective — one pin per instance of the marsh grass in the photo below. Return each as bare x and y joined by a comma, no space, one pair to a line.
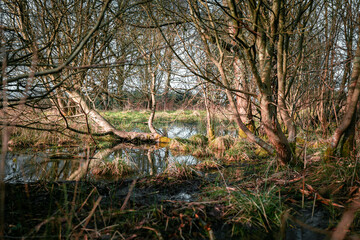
336,179
240,150
129,120
246,197
83,211
255,209
180,145
123,120
177,170
21,138
36,139
199,140
261,208
222,143
208,164
195,145
245,189
117,167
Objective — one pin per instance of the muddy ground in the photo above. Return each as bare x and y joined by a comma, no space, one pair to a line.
147,208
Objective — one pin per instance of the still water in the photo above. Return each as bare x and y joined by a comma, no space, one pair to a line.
78,163
75,163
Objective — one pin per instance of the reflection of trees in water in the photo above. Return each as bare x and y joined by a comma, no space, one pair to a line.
149,162
76,164
144,159
54,165
183,130
186,130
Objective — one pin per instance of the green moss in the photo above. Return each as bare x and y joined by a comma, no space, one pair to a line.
328,154
164,140
261,152
211,133
242,134
347,146
250,126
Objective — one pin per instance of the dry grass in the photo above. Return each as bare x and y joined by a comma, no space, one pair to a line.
181,145
112,168
222,143
199,140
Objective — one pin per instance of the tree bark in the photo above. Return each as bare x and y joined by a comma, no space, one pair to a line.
153,103
282,52
351,102
236,116
110,129
209,118
262,75
243,101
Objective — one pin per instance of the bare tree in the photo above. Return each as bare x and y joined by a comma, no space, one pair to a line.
63,51
346,128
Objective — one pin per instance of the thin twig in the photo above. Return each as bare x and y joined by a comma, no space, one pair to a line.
128,195
87,219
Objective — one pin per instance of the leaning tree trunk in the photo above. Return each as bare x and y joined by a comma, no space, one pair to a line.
236,115
107,127
273,130
282,53
349,119
243,101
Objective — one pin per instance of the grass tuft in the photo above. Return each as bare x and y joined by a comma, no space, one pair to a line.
178,170
222,143
180,144
199,140
112,168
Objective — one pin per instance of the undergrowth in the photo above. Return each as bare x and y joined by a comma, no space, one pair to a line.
236,187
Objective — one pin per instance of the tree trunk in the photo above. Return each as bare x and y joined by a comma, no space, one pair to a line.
110,129
263,77
153,103
273,130
347,143
243,101
282,52
209,119
349,119
236,116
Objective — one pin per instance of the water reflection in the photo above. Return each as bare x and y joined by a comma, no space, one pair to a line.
30,167
144,160
76,163
183,130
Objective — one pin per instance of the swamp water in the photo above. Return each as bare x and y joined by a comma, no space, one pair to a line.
73,163
31,202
